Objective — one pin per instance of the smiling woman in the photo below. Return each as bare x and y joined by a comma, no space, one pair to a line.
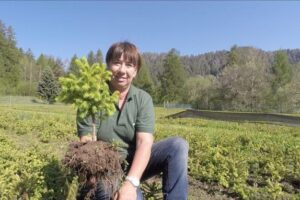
132,126
124,61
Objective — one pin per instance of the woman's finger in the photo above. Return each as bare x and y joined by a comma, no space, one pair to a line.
116,196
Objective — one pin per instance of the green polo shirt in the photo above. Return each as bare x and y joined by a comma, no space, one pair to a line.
137,115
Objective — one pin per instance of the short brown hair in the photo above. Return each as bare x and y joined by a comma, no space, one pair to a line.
129,51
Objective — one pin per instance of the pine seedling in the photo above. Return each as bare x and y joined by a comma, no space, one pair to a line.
89,92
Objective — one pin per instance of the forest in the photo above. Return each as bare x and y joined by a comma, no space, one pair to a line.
240,79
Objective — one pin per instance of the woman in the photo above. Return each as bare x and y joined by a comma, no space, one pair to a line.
132,125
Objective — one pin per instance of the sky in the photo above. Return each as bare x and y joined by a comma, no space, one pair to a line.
64,28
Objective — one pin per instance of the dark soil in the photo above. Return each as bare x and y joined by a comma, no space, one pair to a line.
203,191
94,162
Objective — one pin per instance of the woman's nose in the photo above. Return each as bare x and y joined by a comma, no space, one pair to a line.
122,67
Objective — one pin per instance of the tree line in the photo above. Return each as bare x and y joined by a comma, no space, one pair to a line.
240,79
23,74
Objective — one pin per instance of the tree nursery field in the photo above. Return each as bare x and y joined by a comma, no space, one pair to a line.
227,160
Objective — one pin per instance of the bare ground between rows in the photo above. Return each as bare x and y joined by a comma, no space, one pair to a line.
202,191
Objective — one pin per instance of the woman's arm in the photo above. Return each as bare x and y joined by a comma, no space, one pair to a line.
141,158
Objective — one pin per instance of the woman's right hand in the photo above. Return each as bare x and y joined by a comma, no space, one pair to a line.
91,181
86,138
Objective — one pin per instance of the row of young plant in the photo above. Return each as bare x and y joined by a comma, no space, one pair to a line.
30,173
46,126
29,167
248,161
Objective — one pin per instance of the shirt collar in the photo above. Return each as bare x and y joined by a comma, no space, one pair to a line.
131,92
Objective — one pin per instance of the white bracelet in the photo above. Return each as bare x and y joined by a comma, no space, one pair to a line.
134,181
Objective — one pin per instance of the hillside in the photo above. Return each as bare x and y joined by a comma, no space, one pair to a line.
214,62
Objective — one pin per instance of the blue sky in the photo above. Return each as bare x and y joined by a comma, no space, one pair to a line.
62,29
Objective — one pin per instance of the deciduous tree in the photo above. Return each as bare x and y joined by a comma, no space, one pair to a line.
200,92
245,87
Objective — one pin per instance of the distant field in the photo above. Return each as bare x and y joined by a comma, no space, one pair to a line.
240,117
227,160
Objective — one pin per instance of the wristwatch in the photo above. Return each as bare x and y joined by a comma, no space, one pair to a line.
134,181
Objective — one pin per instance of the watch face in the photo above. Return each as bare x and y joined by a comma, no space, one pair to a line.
135,182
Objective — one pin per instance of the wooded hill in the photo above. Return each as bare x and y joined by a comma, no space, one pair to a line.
213,63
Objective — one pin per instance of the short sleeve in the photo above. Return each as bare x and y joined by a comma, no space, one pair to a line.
84,126
145,115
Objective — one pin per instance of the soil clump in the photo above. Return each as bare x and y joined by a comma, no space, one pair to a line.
95,162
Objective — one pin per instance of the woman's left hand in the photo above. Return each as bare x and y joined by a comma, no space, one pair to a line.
126,192
144,143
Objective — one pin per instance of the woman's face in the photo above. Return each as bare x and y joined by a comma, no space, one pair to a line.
123,74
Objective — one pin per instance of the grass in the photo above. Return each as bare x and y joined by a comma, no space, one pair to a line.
10,100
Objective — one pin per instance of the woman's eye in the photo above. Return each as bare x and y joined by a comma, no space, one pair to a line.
129,65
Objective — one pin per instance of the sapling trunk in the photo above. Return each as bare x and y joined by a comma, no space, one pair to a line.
94,137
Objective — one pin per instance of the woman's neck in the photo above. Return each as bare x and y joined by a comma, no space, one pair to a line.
122,99
122,90
123,94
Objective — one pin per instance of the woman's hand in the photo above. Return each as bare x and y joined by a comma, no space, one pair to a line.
144,143
91,181
86,138
126,192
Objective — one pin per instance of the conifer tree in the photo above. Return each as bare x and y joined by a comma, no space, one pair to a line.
281,69
143,80
233,56
173,77
42,60
99,56
91,58
73,67
9,60
48,87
